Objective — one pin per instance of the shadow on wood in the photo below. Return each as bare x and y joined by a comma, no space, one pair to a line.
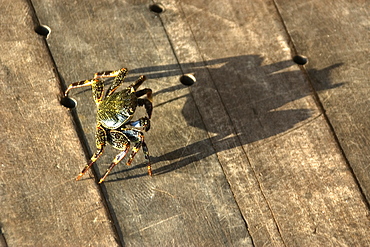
258,121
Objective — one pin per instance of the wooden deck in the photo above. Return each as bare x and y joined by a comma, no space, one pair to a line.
259,151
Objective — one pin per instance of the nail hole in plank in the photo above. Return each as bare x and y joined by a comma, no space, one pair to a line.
188,79
43,30
156,8
300,60
68,102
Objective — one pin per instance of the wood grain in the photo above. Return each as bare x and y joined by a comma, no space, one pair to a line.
250,155
340,43
41,204
188,202
250,95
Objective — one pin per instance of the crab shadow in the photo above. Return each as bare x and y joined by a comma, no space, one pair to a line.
250,95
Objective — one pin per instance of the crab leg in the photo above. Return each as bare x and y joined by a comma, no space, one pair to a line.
136,149
79,84
95,80
118,80
148,106
116,160
97,87
141,123
138,138
91,162
146,91
100,137
106,74
138,82
146,155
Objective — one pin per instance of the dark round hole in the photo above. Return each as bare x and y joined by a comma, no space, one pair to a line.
43,30
68,102
188,79
299,59
156,8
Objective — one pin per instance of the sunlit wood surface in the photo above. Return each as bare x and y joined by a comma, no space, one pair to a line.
259,151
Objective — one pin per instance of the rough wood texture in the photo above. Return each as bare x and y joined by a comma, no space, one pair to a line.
41,204
250,95
243,157
339,41
188,202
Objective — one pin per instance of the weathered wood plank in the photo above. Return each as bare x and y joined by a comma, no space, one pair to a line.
41,204
188,201
251,106
299,190
339,41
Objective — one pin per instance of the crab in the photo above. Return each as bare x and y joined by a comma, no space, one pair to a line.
115,111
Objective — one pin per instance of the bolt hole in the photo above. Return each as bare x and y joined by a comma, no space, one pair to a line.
188,79
68,102
156,8
299,59
43,30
